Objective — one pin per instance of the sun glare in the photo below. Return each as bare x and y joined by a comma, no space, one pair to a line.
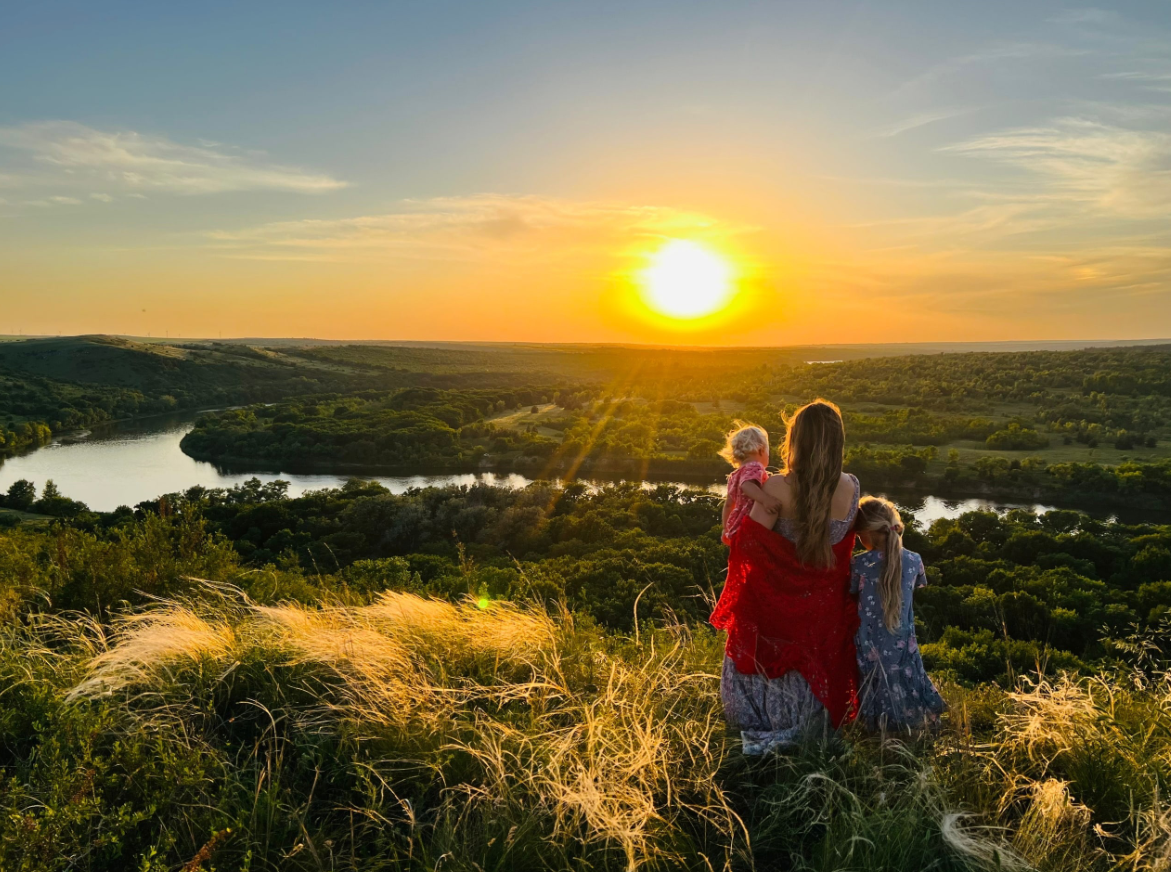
686,281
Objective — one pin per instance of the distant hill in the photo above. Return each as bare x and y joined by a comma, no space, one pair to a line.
57,384
812,352
151,367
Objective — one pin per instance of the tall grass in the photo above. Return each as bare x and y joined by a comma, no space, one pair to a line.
1089,761
415,734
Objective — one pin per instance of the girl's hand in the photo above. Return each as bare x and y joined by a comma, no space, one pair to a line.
759,495
769,503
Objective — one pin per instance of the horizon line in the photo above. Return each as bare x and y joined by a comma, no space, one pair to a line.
149,339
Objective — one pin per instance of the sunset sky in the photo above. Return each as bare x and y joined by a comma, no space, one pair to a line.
871,171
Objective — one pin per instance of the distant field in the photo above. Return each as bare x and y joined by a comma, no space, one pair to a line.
23,518
1057,452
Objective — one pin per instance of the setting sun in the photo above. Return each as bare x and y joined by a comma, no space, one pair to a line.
686,281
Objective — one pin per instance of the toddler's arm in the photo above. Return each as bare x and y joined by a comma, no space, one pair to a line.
756,493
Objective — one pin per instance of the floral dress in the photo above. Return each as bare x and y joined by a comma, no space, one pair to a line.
774,713
895,690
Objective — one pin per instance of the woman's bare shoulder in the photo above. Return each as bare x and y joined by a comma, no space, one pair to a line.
776,485
843,498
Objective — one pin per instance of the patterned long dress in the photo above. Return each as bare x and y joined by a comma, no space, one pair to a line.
779,712
896,692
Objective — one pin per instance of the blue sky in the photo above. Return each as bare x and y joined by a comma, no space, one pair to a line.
492,170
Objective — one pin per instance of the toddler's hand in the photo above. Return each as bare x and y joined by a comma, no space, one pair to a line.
771,504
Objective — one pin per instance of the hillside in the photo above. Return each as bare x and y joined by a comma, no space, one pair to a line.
49,386
459,709
154,368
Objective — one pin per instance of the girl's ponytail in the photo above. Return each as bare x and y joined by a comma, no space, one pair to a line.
877,515
891,584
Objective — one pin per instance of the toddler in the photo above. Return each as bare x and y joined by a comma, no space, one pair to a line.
746,448
895,691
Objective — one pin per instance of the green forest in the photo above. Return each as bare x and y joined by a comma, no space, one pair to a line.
489,678
1078,428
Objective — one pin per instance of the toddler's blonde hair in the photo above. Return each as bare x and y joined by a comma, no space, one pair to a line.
876,515
742,442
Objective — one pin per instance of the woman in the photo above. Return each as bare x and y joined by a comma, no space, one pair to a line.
789,666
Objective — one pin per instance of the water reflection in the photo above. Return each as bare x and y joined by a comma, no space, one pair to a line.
128,463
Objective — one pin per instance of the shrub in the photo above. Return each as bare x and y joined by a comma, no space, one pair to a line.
1014,437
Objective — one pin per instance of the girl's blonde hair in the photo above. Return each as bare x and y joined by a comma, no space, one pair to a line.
742,442
815,443
876,515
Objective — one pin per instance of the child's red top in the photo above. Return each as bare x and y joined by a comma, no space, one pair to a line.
739,505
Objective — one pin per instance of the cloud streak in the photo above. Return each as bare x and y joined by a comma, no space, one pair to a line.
1121,171
65,153
915,122
477,226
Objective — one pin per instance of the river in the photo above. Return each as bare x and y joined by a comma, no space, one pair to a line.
126,463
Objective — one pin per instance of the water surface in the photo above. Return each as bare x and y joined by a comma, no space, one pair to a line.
127,463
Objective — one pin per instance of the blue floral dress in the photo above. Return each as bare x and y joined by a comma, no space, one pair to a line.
895,690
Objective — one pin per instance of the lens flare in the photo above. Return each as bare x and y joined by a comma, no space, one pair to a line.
686,281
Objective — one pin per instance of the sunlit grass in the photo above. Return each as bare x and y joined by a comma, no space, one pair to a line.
393,734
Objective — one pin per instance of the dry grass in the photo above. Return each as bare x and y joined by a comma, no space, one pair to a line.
611,752
1078,768
508,738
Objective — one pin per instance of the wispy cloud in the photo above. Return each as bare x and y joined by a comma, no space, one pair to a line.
916,121
1124,171
1088,15
483,225
54,201
998,53
68,153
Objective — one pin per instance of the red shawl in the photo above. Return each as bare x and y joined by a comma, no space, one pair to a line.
782,615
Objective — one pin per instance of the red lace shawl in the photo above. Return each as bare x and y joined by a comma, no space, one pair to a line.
782,615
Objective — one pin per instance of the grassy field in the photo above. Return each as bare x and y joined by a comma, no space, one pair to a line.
525,418
969,450
13,517
414,734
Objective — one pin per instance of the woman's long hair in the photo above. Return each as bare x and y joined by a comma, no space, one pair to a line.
876,515
815,443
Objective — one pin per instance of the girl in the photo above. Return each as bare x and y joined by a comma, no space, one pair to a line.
895,690
746,448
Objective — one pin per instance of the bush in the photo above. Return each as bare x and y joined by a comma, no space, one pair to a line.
1014,437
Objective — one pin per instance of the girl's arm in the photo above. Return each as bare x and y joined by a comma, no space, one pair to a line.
756,493
774,487
724,515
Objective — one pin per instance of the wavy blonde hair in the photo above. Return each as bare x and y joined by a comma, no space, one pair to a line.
876,515
742,442
815,444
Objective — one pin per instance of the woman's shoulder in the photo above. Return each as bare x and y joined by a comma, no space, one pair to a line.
777,484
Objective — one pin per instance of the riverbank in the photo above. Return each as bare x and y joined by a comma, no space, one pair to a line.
963,484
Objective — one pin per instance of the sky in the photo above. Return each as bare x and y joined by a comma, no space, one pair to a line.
886,171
